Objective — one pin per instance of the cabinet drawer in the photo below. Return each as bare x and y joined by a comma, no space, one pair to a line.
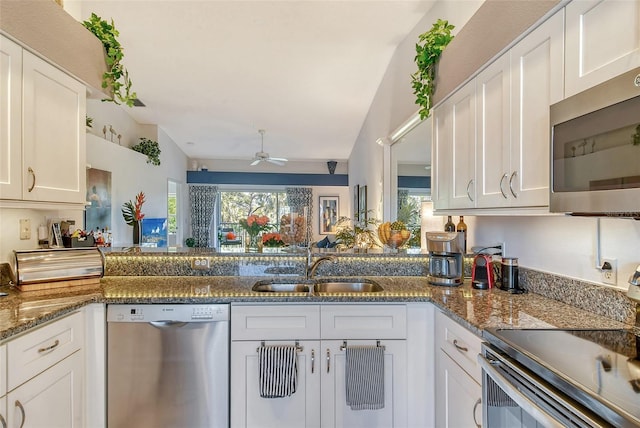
43,347
460,344
275,322
364,321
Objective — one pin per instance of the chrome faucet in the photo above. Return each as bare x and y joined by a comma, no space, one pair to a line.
312,267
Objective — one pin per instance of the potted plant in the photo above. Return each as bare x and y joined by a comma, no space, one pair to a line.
149,148
116,78
428,50
356,233
132,214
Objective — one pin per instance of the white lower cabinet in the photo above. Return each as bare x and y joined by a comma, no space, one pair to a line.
52,399
458,376
45,375
320,398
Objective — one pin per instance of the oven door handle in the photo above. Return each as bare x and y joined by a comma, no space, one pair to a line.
521,400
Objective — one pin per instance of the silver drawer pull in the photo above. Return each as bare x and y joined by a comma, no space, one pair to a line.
313,360
49,348
328,360
475,406
33,183
458,347
3,422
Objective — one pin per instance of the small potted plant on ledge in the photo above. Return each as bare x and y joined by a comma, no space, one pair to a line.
149,148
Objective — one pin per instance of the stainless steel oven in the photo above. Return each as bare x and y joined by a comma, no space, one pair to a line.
560,378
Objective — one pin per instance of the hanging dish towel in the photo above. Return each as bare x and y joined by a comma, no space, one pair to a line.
365,377
278,370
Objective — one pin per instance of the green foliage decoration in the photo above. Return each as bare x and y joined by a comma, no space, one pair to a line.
149,148
428,50
116,77
357,233
635,138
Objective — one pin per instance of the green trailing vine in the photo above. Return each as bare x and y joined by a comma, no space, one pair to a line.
428,50
116,77
149,148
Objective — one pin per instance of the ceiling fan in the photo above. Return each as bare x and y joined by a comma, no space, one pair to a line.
262,156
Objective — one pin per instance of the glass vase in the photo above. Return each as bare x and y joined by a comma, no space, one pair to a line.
253,243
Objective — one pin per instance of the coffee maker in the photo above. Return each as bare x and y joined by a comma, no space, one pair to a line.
446,256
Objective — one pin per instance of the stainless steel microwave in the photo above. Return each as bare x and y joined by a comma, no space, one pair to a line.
595,150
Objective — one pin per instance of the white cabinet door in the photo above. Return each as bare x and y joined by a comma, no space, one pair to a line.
10,119
248,409
458,396
537,82
603,41
493,131
463,116
442,156
336,412
53,140
53,399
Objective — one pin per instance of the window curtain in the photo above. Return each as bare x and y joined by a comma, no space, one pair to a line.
297,199
403,198
202,199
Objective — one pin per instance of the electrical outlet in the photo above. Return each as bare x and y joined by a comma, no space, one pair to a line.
25,228
200,263
609,276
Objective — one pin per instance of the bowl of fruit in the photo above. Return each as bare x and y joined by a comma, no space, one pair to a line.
393,234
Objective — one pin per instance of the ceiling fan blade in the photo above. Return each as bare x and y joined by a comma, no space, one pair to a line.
255,162
275,161
279,159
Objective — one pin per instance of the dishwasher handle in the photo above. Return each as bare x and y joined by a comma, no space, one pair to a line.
164,324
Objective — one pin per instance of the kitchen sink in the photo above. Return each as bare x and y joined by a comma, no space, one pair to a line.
281,287
362,286
320,286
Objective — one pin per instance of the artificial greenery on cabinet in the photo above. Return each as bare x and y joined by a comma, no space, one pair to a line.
428,50
116,78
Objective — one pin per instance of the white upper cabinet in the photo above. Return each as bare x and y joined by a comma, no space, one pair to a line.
491,137
10,119
44,142
602,40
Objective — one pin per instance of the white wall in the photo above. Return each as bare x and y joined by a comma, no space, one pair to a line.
394,101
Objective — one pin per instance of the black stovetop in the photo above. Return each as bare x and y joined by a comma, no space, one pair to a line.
602,365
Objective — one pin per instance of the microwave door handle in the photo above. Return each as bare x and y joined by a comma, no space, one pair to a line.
521,400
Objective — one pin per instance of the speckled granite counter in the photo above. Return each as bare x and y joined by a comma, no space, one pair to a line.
475,309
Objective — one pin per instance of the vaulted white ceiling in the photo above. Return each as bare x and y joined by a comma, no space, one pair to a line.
212,73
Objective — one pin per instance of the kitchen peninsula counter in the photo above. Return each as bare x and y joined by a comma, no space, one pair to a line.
474,309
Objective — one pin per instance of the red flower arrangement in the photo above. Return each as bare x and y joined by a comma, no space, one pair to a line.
255,224
133,212
272,239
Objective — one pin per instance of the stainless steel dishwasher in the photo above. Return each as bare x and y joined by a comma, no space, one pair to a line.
168,366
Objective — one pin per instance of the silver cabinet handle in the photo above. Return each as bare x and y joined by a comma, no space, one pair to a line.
514,174
328,359
49,348
313,360
468,193
33,183
19,406
501,189
458,347
3,422
475,406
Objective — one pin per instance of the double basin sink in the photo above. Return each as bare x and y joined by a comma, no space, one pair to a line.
317,286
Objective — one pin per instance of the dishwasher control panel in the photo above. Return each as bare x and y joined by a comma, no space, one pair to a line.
155,313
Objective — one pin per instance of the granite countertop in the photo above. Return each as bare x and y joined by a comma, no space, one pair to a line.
474,309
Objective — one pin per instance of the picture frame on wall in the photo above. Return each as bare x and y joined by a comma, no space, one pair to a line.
97,215
356,198
362,203
329,209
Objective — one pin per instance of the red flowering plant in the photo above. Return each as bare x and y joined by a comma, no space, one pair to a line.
273,239
132,212
255,224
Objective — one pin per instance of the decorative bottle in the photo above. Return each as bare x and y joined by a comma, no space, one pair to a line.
462,227
449,226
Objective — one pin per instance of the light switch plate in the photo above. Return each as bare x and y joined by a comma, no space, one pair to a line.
25,228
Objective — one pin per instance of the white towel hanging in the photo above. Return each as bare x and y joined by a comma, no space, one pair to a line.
278,370
364,377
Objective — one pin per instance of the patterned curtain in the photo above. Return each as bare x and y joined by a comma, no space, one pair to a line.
202,199
297,199
403,198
